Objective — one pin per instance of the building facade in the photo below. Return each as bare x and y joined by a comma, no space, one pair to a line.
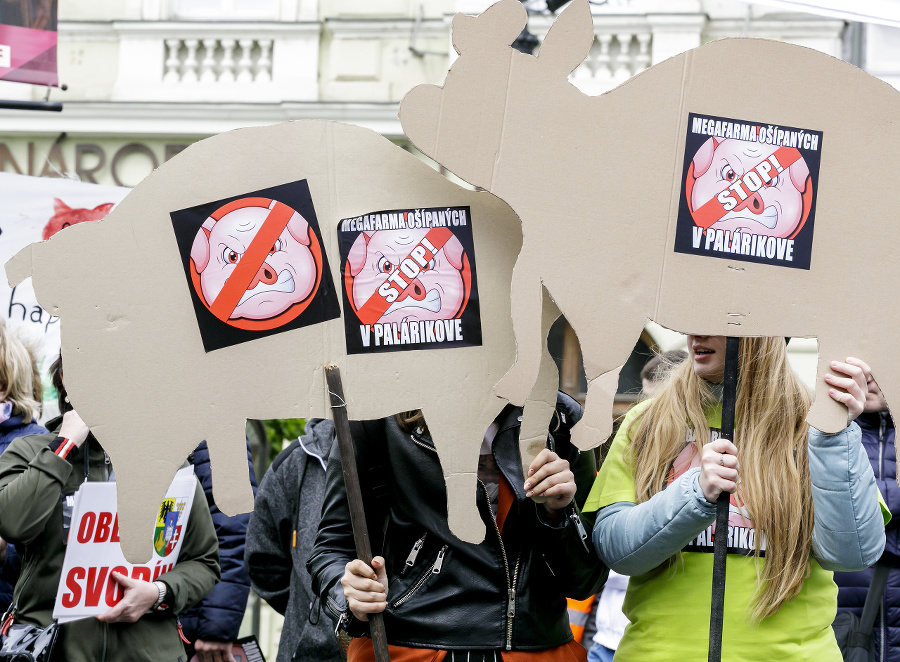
146,78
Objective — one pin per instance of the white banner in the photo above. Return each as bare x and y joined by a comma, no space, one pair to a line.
33,209
86,585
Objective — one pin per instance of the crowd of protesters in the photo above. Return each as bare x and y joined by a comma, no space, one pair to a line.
807,509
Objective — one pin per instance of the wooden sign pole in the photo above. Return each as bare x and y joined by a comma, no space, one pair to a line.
720,542
354,497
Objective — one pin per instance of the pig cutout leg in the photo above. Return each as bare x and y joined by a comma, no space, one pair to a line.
825,414
140,489
604,355
541,403
459,462
227,445
525,303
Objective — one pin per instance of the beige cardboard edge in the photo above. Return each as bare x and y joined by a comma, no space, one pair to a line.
596,183
137,372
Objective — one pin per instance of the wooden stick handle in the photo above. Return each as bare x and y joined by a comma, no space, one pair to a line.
354,497
720,543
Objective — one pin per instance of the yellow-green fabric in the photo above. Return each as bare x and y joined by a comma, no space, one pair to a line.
668,608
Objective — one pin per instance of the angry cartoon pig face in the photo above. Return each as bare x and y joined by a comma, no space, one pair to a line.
418,284
758,194
255,260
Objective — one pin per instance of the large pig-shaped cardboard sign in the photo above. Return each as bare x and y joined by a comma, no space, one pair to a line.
254,216
743,188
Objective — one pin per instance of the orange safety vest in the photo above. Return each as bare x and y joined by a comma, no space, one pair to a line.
579,610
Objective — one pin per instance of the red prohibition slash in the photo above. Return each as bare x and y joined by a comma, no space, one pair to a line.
712,211
372,310
256,253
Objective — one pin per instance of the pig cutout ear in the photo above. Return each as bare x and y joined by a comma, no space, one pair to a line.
200,247
453,249
104,208
799,174
499,25
704,157
357,256
299,228
59,206
569,39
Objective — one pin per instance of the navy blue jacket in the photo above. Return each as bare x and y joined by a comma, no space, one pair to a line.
878,440
13,428
218,616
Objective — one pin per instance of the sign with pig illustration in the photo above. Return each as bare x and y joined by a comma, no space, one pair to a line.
409,280
748,191
255,265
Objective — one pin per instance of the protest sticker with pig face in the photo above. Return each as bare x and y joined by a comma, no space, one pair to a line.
748,191
255,265
409,280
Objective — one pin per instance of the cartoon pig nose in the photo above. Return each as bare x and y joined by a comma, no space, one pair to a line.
754,204
266,274
415,290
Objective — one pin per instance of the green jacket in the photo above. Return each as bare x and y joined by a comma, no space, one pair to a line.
32,480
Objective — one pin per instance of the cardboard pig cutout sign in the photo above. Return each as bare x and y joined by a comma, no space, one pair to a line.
714,193
206,299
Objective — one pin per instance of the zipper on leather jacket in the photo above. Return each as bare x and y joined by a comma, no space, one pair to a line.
882,424
435,569
579,525
413,554
510,586
417,442
511,605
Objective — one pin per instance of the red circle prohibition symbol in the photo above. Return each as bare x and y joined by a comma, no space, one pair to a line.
260,246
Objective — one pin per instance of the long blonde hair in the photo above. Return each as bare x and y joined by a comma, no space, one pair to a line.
19,375
771,437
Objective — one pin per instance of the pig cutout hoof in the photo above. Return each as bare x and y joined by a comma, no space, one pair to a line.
596,424
235,500
826,415
459,510
514,386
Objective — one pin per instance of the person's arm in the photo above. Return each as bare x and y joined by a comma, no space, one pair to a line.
267,555
30,486
633,539
848,532
334,547
849,528
561,533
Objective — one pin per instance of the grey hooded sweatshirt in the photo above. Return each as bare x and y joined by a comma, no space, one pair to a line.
280,536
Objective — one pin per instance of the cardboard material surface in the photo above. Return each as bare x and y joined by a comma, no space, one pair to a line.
136,364
742,188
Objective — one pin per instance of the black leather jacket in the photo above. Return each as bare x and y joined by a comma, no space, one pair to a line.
443,593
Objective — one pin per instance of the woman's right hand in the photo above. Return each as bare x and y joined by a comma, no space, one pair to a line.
719,469
365,588
73,428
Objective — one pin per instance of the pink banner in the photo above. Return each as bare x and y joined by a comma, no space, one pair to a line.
28,41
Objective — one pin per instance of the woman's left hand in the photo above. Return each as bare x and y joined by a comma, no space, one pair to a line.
550,481
848,386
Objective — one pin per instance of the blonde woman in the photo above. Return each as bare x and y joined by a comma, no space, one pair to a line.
20,389
803,504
